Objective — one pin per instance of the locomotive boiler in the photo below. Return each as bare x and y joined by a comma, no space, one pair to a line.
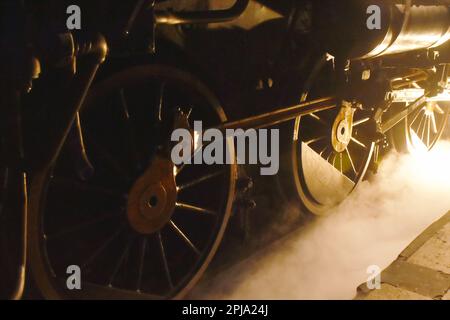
370,29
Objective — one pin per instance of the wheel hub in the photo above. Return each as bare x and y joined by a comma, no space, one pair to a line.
341,133
152,199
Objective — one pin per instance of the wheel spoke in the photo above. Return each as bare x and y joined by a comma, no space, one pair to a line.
351,161
358,142
200,180
102,247
433,120
190,207
334,159
164,260
178,169
124,104
420,125
130,130
359,122
113,164
423,129
415,117
141,264
376,153
120,261
438,109
323,150
329,155
184,237
315,140
82,226
316,117
161,100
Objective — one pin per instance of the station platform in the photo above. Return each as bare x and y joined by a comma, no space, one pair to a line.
421,271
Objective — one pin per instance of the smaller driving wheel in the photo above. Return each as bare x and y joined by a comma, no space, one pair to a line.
331,149
135,224
423,129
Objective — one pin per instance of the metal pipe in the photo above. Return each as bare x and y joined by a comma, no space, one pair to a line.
208,16
137,9
409,79
94,52
396,118
282,115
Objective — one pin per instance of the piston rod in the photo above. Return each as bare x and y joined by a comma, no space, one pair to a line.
281,115
395,119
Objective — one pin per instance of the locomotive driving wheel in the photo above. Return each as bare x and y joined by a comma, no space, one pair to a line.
135,224
422,129
331,149
425,128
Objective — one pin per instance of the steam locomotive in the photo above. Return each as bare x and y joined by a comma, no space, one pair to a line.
86,176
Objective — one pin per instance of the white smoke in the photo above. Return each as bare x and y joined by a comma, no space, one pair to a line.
329,258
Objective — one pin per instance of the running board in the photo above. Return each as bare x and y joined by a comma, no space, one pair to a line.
411,95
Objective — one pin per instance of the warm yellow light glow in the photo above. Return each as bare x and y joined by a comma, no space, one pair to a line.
435,163
416,146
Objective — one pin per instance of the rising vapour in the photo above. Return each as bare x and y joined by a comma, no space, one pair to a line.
329,258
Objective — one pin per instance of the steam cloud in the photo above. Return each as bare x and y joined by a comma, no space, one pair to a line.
329,258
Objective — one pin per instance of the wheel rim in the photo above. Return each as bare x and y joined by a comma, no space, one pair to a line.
117,258
4,249
331,151
4,184
6,265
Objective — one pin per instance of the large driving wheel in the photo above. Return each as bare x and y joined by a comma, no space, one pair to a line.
137,225
331,149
